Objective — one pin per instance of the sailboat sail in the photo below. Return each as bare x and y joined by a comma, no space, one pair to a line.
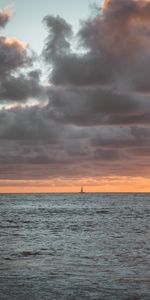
81,190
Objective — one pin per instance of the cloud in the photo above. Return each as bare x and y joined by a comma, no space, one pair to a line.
57,41
27,124
13,55
33,145
96,105
5,16
96,118
19,81
115,47
22,87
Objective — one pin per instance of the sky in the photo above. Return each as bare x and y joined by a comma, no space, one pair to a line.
26,22
75,96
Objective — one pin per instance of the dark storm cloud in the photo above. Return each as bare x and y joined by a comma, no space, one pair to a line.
22,87
57,42
124,138
106,155
105,82
114,48
27,124
36,143
84,106
16,85
74,69
96,119
13,55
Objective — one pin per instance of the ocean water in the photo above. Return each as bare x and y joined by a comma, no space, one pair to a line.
75,246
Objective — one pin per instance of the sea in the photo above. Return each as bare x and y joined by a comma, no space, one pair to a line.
90,246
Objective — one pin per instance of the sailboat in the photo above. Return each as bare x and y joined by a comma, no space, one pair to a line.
81,191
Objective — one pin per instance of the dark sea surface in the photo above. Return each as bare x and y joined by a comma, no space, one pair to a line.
75,246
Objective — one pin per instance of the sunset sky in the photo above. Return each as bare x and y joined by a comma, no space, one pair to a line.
75,96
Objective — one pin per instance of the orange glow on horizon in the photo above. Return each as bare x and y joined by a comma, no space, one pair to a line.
105,184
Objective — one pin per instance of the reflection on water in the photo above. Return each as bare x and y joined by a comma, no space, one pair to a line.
75,246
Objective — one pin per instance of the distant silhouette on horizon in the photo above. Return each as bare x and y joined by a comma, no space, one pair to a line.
81,191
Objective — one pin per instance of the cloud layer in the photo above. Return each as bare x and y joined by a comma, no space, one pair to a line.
92,116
